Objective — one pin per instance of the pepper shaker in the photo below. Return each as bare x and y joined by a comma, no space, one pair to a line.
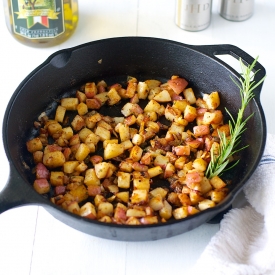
236,10
193,15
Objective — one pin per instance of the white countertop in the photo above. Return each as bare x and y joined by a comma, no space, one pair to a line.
31,240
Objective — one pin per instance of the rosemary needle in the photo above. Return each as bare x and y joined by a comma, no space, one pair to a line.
229,146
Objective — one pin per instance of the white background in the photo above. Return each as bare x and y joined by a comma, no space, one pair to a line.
32,241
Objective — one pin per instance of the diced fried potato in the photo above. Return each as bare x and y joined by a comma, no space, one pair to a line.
57,178
88,211
69,103
218,195
123,180
60,113
82,152
154,171
141,183
91,177
113,150
105,209
189,95
217,182
82,108
135,213
90,89
205,204
103,133
78,123
142,90
180,213
212,101
200,164
53,159
139,196
34,145
190,113
166,211
136,153
163,96
102,169
123,196
113,97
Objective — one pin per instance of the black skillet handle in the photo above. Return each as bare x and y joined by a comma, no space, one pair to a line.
226,49
15,192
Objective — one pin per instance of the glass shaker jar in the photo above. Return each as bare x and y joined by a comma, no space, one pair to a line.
41,22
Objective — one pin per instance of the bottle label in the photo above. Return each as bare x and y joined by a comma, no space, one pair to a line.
38,19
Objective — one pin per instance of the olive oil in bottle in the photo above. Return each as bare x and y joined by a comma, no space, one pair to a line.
41,22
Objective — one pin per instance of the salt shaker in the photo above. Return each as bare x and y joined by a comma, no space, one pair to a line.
193,15
236,10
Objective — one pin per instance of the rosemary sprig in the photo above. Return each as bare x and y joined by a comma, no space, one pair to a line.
229,146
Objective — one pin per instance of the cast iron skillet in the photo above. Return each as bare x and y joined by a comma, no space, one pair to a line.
113,60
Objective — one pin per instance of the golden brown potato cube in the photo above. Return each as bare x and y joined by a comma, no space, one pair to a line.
126,166
154,171
137,139
222,129
77,180
105,209
34,145
69,166
159,191
106,142
81,96
162,96
172,113
60,113
53,159
195,197
217,182
131,89
161,161
152,83
105,125
149,220
84,133
82,109
201,130
113,150
103,133
92,138
82,152
81,167
123,180
69,103
80,193
124,132
133,221
113,97
127,144
206,204
190,113
218,195
135,213
152,106
99,199
54,128
200,164
180,213
37,156
139,197
78,123
212,100
91,177
190,96
123,196
136,153
90,89
156,203
57,178
192,210
88,211
166,211
103,169
74,140
142,90
180,104
101,97
93,103
184,199
67,133
141,183
41,186
73,207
